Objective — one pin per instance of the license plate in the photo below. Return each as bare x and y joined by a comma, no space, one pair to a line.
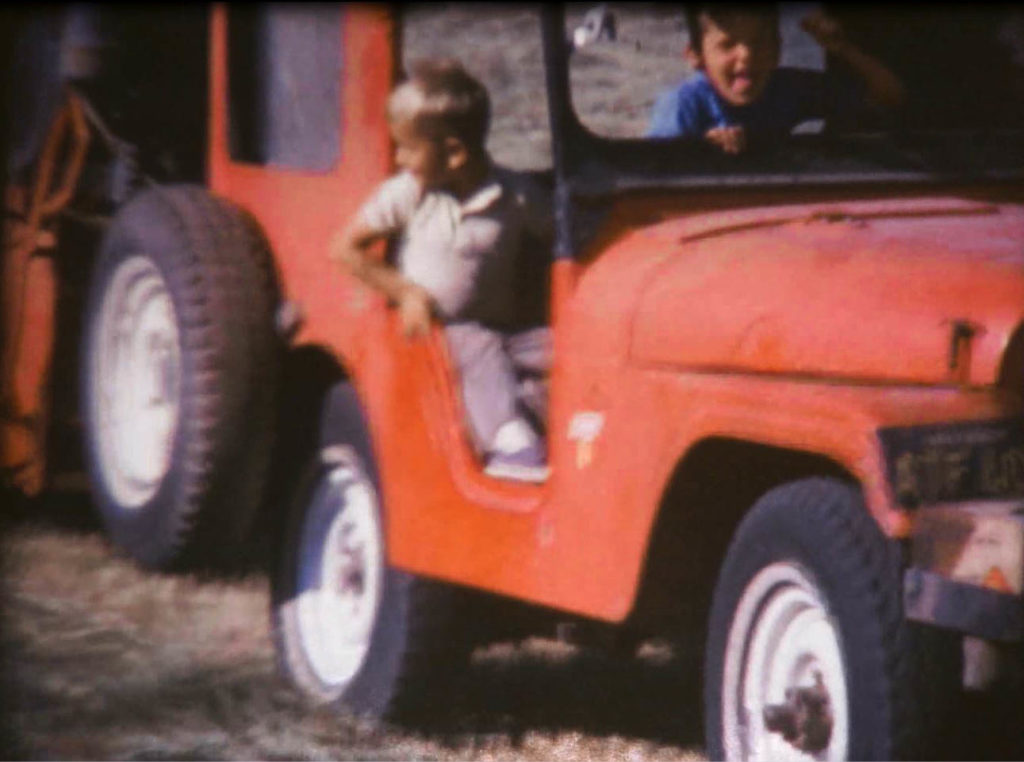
947,463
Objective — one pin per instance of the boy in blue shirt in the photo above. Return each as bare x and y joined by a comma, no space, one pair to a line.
740,92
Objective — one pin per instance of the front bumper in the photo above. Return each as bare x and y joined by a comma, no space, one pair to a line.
972,610
967,569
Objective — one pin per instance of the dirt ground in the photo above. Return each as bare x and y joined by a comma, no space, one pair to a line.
102,660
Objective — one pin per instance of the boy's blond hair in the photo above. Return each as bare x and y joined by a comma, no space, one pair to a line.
441,99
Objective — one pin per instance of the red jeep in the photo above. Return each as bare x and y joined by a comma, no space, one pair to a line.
786,402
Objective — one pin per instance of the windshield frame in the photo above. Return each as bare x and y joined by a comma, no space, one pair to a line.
591,165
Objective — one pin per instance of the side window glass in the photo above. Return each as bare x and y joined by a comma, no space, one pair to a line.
501,46
284,82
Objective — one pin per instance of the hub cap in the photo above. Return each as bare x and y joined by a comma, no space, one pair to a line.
784,687
340,574
136,382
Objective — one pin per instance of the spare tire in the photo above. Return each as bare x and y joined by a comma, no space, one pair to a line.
179,377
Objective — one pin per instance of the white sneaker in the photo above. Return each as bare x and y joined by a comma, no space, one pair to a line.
518,454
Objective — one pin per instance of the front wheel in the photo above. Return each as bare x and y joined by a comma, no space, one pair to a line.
809,656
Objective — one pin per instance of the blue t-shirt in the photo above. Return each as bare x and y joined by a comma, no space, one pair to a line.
791,96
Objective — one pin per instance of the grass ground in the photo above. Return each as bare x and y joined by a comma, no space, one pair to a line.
102,660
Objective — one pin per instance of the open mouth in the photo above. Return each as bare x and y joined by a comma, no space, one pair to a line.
742,83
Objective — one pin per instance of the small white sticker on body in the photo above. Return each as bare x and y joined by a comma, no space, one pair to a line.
584,428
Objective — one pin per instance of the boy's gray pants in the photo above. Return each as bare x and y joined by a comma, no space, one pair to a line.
495,372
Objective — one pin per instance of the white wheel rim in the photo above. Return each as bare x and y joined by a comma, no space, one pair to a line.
781,636
340,575
136,382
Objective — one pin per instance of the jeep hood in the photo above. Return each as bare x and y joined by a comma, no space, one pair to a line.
915,291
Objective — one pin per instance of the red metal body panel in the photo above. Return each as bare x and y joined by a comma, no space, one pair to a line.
555,544
781,295
836,290
581,543
298,210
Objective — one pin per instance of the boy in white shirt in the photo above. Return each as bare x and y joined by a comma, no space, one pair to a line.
464,227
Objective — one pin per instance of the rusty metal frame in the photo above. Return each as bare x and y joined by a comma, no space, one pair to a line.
30,294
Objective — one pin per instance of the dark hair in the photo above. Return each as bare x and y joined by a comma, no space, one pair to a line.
448,102
720,13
